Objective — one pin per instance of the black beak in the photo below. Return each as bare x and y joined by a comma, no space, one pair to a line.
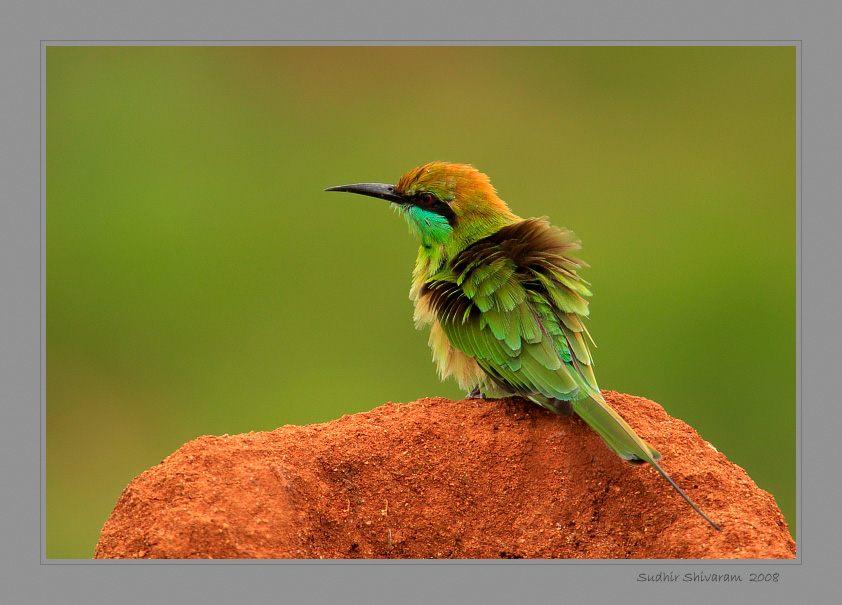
384,192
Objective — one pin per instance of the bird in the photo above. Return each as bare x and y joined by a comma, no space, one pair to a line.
504,301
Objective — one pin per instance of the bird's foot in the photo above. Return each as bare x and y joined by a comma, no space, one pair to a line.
561,407
475,394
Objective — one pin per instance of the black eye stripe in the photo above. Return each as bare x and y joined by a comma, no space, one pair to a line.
426,198
431,203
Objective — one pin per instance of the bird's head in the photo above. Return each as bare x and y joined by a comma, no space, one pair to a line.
447,206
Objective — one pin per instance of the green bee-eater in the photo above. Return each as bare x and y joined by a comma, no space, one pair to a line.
503,300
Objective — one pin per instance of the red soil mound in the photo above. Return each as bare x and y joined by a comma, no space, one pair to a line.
440,478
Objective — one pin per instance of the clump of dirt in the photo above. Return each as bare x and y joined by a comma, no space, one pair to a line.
437,478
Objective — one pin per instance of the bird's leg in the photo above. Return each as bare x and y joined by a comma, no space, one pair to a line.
475,394
562,408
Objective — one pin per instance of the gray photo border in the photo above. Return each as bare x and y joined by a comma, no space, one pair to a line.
32,27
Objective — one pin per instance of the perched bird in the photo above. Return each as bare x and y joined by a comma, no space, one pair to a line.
503,300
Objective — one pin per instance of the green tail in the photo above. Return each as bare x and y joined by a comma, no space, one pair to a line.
622,440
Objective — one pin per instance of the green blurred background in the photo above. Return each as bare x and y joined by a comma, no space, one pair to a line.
199,281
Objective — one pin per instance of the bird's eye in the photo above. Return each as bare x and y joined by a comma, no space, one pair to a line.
426,199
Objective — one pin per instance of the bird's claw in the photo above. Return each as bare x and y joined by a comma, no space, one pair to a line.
475,394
